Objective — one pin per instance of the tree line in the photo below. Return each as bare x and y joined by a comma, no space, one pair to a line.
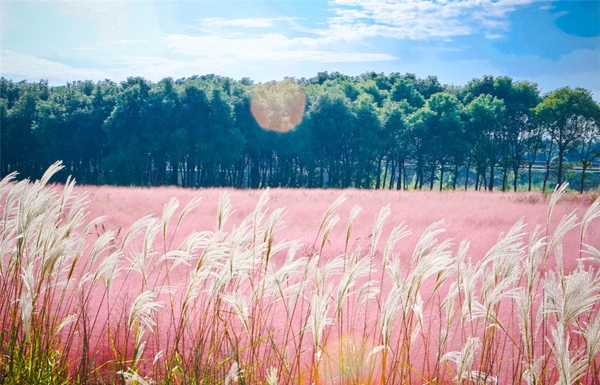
392,131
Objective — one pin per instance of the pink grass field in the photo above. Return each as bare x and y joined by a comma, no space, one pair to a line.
144,328
479,217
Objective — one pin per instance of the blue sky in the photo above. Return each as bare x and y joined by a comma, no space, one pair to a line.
552,43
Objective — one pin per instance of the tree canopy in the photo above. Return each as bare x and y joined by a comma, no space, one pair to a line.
332,130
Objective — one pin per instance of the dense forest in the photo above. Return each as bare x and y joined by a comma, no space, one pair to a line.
371,131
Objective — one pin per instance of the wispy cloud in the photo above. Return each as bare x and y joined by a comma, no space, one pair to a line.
249,22
112,45
422,19
263,48
29,67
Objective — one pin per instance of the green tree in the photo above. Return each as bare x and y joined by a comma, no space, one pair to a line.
395,143
331,139
162,131
485,131
404,89
587,146
368,146
128,160
566,112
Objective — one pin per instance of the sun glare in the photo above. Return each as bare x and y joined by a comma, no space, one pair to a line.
278,106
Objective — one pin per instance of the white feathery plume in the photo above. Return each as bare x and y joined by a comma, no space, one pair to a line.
591,213
136,229
575,296
317,319
332,208
567,223
224,210
592,338
348,280
532,266
595,254
332,221
366,292
50,171
356,209
239,305
556,195
66,321
28,296
143,308
108,270
417,308
233,374
383,215
571,366
426,242
479,377
131,377
272,376
510,244
389,312
463,359
100,245
168,211
397,233
449,305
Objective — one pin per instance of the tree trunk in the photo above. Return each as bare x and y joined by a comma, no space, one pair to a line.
432,177
467,177
392,175
547,174
560,164
583,168
455,177
378,179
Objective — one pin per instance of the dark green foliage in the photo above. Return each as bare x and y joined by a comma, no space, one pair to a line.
370,131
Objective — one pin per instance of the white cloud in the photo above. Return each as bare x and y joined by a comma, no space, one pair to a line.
250,22
17,65
420,19
126,44
275,48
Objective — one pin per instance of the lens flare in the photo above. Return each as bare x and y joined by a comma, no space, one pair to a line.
278,106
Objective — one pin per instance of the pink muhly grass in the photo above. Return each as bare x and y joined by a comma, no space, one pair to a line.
296,286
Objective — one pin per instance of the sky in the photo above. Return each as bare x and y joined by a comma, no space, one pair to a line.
551,43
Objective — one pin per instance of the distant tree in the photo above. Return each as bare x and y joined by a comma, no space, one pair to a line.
21,150
332,139
519,98
163,131
567,112
485,130
587,146
368,146
395,143
404,89
128,160
429,86
439,133
420,143
446,132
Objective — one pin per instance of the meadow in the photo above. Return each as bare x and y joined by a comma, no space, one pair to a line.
115,285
